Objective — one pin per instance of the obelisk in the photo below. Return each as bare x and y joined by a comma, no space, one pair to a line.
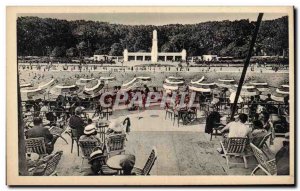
154,51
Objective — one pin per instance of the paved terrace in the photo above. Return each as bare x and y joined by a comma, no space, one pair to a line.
183,150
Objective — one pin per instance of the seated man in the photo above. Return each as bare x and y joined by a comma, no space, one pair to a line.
96,162
76,122
90,134
39,130
258,132
127,164
237,128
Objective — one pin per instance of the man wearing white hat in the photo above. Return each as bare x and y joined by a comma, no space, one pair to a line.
96,162
90,134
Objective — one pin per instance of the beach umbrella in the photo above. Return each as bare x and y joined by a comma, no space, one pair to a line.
197,80
83,81
92,89
175,78
225,83
27,85
277,96
261,86
65,90
283,89
47,84
247,90
107,80
205,87
280,93
32,94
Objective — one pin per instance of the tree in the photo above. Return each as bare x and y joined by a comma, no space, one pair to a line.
82,47
71,52
58,51
116,50
36,36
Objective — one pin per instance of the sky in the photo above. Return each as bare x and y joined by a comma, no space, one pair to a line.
154,18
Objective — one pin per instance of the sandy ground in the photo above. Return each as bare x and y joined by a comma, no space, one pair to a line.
157,75
183,150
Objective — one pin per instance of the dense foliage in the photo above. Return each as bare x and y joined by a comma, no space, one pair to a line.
61,38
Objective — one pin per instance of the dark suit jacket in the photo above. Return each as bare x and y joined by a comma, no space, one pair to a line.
77,123
36,132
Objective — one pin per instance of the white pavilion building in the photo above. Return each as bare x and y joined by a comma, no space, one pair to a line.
154,56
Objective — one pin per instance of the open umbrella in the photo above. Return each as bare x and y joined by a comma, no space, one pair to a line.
135,83
65,90
173,83
283,89
247,90
277,96
92,89
197,80
83,81
225,83
32,94
47,84
26,85
205,87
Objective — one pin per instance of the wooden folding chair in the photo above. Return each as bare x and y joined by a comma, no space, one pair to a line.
87,147
58,132
52,164
268,166
235,147
115,144
264,140
36,145
148,165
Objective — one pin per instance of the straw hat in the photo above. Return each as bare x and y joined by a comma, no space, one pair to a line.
90,129
94,155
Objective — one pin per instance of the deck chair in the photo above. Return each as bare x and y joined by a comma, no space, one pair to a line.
87,147
148,166
268,166
115,144
58,132
264,140
52,164
36,145
101,131
216,131
235,147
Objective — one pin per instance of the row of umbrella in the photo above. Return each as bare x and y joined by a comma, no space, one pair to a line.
85,88
248,89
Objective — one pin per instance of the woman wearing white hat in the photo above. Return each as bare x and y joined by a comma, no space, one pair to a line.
90,133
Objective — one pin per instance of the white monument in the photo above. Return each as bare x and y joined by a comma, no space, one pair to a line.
154,55
154,50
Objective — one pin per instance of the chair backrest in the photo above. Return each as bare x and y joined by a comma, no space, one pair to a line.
261,158
236,144
101,131
36,145
52,163
87,147
74,134
115,143
264,140
150,162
